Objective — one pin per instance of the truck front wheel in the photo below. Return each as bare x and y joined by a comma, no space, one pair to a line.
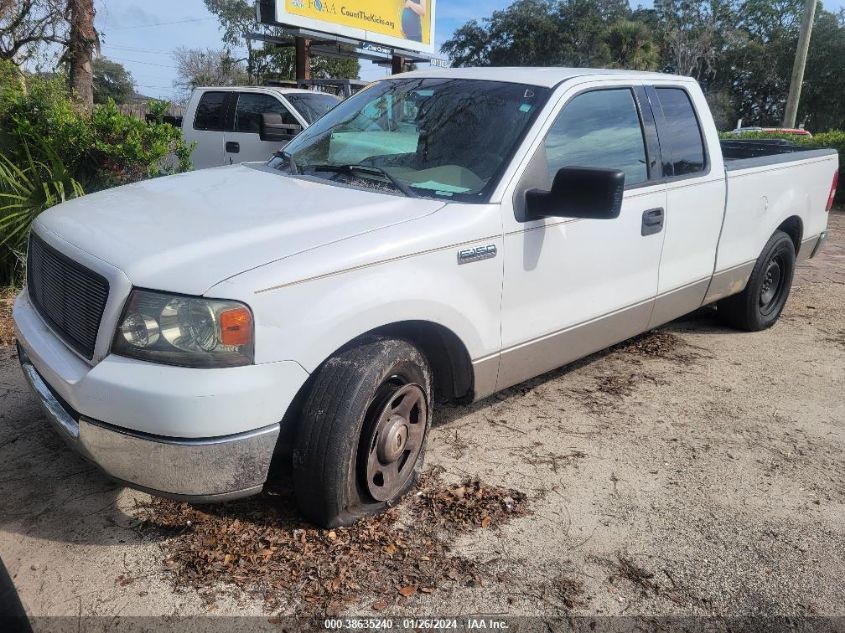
361,437
760,305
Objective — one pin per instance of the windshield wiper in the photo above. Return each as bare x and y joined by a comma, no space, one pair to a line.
367,169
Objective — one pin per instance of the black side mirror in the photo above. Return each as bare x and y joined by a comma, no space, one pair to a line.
274,129
578,192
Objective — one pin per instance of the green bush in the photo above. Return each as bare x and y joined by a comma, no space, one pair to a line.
25,191
45,139
101,149
832,139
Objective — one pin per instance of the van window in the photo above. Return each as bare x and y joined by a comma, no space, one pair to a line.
601,129
681,132
252,105
211,111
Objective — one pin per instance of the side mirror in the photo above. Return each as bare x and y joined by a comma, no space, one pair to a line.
578,192
274,129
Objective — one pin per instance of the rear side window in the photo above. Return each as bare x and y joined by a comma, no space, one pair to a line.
250,108
681,132
211,112
599,129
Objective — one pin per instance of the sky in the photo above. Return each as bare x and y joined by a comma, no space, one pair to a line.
143,35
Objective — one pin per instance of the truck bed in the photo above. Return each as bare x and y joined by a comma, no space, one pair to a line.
766,182
745,154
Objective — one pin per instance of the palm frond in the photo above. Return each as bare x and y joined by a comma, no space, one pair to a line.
29,189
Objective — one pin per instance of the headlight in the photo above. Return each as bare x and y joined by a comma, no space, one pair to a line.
185,331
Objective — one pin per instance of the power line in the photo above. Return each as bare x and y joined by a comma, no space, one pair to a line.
136,61
156,24
131,49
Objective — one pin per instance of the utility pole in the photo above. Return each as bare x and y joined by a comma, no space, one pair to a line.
303,59
80,48
789,119
397,64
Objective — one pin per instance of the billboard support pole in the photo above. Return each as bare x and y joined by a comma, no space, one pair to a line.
303,59
398,64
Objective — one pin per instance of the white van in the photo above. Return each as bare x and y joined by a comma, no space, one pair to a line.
226,122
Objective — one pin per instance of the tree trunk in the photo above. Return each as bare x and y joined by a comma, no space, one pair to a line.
81,44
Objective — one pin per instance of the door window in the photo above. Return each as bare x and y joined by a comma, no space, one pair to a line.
211,112
599,129
681,132
252,105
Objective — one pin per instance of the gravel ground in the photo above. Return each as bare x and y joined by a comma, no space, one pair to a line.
696,471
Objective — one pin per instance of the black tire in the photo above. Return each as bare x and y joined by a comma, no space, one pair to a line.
344,425
760,305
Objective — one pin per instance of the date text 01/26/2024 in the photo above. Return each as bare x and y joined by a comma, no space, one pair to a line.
416,624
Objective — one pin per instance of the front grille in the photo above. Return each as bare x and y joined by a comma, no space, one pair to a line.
67,295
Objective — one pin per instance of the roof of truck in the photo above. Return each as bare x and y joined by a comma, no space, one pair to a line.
278,89
548,77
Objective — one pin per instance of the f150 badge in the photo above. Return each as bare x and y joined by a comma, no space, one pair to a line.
477,254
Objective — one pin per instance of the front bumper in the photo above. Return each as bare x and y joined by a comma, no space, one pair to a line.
199,470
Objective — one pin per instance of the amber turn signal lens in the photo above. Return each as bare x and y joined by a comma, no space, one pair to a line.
236,327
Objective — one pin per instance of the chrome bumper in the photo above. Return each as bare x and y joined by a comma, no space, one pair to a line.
202,471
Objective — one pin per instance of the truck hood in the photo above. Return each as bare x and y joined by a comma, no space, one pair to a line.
187,233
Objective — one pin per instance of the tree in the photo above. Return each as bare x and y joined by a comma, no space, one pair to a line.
741,51
26,26
209,67
539,33
237,19
822,106
469,46
631,45
583,25
694,33
755,64
81,44
112,81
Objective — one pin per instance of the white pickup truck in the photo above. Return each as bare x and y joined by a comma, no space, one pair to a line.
227,125
440,235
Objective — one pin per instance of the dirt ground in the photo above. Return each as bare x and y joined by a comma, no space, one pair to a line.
695,471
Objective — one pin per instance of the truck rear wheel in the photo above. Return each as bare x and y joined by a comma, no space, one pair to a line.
361,437
760,305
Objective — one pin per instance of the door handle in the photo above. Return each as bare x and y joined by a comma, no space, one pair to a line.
653,221
233,148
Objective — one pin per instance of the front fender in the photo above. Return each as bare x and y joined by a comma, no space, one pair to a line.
408,272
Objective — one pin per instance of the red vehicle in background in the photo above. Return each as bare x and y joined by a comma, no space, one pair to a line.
772,130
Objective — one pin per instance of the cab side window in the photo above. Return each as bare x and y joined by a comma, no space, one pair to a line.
602,129
211,112
681,132
251,106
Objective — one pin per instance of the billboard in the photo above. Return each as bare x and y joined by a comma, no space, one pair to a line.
404,24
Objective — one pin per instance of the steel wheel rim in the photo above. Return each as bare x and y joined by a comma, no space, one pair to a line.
772,287
395,443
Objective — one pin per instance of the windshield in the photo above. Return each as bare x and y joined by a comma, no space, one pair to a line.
312,107
442,138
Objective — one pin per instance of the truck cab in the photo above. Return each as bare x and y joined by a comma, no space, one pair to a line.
225,122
